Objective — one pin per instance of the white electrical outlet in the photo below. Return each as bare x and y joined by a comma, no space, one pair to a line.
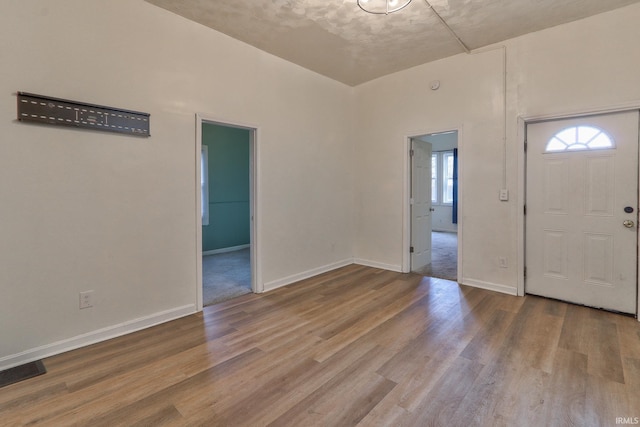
502,262
504,195
86,299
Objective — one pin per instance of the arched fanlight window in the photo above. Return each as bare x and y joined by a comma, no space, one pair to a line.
579,138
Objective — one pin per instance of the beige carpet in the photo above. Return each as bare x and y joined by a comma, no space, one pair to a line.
225,276
444,256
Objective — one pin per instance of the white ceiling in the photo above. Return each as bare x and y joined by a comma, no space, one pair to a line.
337,39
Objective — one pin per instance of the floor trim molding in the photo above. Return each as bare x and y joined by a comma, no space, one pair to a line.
489,286
376,264
306,274
225,250
96,336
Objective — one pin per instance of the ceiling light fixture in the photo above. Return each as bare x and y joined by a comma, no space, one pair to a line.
382,7
385,7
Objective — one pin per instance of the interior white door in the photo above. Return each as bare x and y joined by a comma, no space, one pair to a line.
581,210
420,204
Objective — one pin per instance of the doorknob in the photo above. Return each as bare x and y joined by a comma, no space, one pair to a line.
628,223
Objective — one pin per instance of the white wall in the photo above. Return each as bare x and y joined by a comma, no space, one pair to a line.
116,214
84,210
592,63
401,105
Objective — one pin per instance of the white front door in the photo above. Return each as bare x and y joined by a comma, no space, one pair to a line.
582,210
420,204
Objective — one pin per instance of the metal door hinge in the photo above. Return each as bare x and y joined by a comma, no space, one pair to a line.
411,153
411,250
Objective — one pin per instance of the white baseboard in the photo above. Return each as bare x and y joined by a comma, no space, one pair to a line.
376,264
305,275
489,286
225,250
95,336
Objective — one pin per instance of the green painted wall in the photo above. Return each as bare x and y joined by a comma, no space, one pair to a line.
228,187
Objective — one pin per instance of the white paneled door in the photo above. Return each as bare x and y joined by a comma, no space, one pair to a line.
582,210
420,204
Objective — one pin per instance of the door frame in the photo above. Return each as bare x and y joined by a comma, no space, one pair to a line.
256,275
523,121
406,195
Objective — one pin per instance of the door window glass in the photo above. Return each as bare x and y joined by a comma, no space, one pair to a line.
579,138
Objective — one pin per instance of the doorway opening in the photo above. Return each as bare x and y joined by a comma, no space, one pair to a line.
226,238
434,205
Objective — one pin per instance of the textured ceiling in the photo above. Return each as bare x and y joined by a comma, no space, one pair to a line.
337,39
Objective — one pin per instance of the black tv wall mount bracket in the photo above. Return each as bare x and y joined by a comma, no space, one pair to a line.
63,112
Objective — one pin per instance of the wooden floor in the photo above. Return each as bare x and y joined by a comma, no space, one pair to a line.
356,346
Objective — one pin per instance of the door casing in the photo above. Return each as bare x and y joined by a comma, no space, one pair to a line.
406,196
256,274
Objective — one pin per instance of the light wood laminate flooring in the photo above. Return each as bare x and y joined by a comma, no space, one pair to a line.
355,346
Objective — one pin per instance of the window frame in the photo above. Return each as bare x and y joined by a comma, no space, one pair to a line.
441,179
445,179
435,192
